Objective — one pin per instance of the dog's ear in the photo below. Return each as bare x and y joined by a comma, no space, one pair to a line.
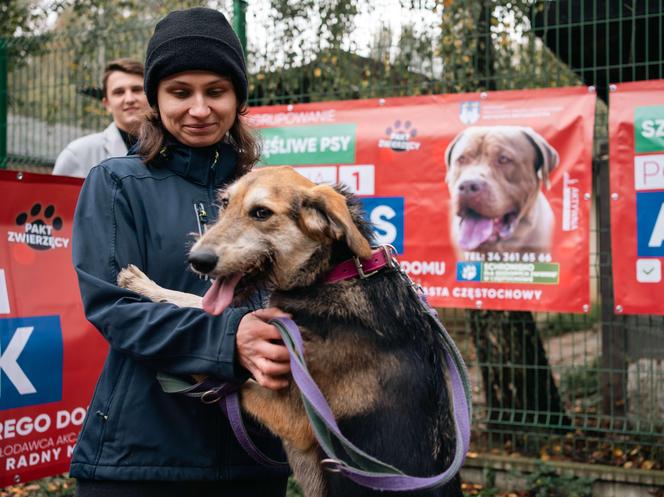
546,156
448,154
325,215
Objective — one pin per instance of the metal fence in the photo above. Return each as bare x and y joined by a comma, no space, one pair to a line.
555,386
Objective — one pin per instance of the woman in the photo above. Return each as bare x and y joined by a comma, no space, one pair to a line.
142,209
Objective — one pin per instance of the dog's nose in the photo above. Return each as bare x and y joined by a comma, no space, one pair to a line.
203,260
472,187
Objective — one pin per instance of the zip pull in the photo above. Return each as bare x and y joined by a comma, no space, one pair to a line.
216,159
201,217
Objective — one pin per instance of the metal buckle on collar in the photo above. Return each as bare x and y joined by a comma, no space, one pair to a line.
360,270
391,256
389,252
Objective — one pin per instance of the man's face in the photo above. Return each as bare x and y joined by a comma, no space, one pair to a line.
125,100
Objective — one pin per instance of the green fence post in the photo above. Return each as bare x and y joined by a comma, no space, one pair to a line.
3,103
240,22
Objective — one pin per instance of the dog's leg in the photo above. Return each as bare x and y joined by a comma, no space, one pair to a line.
135,280
307,470
281,412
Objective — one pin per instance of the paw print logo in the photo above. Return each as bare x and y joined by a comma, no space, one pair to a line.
38,226
401,135
469,272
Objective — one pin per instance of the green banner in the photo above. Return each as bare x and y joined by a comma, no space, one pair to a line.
649,128
328,144
521,272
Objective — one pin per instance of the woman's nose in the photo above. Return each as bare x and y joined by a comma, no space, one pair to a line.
199,108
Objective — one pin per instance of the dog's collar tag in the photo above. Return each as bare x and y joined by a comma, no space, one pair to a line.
363,268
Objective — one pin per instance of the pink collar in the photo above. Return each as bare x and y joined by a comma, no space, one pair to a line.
362,268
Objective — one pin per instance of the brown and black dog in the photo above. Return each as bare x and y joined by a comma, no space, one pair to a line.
377,358
495,174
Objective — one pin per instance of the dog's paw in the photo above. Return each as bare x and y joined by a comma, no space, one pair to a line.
133,279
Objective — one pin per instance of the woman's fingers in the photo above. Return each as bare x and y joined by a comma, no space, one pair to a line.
270,313
267,361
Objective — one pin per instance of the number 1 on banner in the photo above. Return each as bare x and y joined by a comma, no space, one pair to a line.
359,179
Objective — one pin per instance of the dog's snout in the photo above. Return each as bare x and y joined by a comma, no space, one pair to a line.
203,260
472,187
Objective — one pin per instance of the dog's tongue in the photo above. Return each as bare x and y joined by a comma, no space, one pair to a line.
475,230
220,294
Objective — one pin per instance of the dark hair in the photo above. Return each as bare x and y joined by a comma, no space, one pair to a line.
152,135
129,66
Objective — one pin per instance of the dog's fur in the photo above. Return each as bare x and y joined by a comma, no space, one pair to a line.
372,351
495,175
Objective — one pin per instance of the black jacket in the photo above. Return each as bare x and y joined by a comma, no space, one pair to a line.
129,213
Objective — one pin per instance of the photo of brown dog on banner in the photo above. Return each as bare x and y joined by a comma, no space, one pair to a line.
495,176
378,359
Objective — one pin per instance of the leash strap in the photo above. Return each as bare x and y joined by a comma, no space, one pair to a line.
225,394
354,463
350,460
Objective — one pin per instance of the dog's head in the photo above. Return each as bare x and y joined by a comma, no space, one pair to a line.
278,230
494,176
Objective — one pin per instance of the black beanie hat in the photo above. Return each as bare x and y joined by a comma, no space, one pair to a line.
194,39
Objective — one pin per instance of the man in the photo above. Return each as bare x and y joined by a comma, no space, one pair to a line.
125,100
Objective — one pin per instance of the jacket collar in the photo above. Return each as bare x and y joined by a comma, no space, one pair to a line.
114,145
212,165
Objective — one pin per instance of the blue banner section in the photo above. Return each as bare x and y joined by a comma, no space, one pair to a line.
30,361
386,214
650,223
469,271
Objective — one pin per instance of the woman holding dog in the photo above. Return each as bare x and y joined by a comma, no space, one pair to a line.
142,209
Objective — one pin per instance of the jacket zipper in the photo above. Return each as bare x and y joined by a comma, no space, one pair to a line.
201,221
221,454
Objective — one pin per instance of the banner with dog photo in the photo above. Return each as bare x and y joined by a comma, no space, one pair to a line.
636,140
50,356
485,196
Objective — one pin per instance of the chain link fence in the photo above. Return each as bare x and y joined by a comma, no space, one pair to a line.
585,388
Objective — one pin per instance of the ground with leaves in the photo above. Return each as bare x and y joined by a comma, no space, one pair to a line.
61,486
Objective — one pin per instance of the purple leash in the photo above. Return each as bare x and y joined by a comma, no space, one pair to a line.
363,468
358,466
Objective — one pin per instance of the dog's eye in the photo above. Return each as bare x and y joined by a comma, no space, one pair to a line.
503,159
224,202
260,213
461,160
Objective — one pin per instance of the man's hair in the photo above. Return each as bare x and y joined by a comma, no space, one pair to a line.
130,66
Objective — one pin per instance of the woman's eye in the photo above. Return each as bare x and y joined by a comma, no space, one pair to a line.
216,92
260,213
180,93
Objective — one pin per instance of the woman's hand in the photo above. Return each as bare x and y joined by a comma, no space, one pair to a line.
260,349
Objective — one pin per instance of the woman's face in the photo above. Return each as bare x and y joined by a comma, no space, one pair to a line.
197,107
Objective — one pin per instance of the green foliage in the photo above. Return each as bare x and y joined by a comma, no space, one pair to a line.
293,489
546,482
580,382
56,486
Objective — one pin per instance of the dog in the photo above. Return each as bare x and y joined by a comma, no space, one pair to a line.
495,175
377,358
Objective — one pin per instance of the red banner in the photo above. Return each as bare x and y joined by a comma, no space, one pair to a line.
485,196
50,357
636,138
